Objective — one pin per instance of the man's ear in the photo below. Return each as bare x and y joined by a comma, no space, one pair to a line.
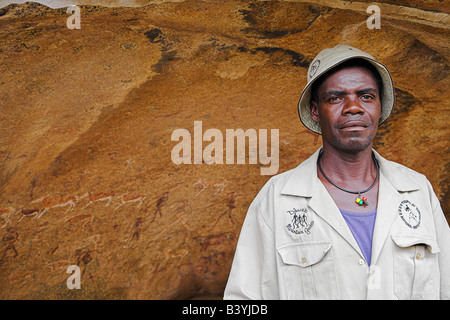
314,111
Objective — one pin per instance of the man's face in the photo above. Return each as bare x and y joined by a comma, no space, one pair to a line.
348,110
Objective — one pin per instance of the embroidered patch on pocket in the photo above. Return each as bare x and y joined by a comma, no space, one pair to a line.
410,214
300,222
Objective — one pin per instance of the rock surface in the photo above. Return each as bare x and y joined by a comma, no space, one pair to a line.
86,175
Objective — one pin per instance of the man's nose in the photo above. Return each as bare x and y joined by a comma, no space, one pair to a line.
353,106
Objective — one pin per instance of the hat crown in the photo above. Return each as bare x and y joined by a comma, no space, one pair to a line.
330,57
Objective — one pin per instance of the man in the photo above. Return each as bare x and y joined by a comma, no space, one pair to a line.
346,223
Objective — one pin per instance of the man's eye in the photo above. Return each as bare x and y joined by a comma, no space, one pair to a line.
333,99
367,97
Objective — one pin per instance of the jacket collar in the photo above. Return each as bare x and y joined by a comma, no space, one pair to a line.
399,176
304,180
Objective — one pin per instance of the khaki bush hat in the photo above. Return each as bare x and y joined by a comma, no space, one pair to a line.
326,60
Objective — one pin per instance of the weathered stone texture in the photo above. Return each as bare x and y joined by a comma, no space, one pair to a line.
86,176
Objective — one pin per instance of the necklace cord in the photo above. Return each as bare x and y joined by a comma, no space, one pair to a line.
353,192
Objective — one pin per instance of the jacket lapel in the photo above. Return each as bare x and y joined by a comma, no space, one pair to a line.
388,196
324,206
394,181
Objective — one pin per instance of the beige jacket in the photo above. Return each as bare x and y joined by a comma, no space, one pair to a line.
295,244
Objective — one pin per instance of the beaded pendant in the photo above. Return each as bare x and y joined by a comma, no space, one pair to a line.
362,201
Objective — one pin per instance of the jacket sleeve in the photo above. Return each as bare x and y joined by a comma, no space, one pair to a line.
253,273
443,239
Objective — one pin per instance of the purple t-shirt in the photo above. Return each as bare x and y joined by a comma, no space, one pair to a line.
361,225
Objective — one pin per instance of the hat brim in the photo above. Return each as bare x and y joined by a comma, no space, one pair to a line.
387,103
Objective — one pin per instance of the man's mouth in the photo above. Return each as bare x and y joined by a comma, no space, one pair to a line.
354,126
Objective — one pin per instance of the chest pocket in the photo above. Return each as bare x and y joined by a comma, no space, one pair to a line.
416,269
308,270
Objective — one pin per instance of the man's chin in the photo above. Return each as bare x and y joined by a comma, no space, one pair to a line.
353,144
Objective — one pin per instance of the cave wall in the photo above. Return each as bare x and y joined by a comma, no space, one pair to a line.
87,117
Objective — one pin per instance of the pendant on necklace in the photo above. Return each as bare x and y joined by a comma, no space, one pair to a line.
362,201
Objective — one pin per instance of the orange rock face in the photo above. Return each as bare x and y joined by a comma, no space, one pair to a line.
87,116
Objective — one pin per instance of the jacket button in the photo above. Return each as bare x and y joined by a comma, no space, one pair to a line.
303,260
361,261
